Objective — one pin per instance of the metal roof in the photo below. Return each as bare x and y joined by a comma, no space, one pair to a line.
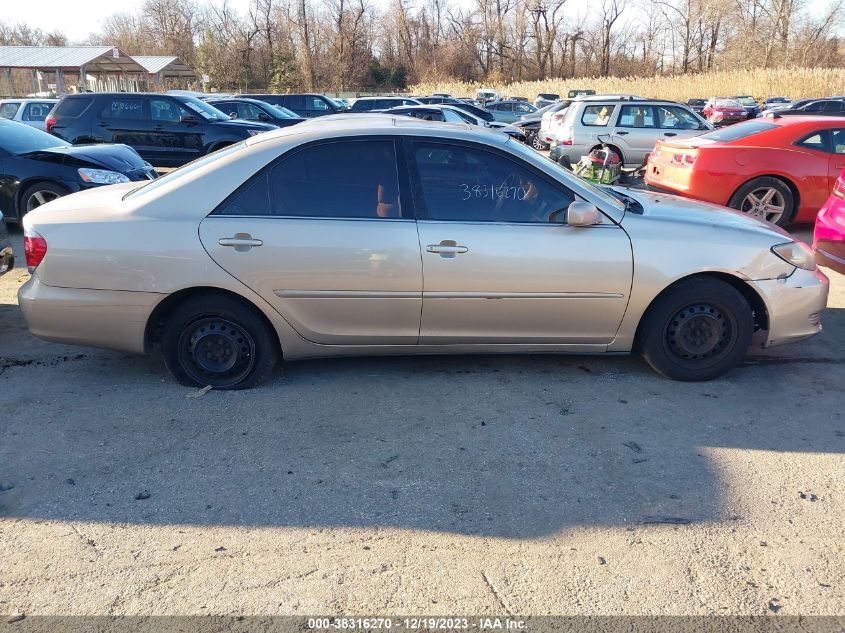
95,58
168,65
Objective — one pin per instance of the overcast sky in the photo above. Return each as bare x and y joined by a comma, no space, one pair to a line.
79,18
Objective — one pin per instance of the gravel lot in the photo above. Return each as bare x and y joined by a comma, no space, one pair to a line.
522,485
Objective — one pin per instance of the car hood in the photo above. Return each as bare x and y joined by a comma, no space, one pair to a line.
119,158
686,212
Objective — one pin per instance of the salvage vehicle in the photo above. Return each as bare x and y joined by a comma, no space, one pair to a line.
166,130
720,111
453,114
36,167
697,105
545,99
829,233
7,256
306,105
749,104
778,169
256,110
33,112
377,234
510,110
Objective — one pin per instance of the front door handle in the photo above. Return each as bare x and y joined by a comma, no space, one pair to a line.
623,133
241,242
671,134
447,248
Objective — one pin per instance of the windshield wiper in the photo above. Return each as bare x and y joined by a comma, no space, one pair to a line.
631,204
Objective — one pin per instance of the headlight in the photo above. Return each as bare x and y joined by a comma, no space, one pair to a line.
101,176
796,253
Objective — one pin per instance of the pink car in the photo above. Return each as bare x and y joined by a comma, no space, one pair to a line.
829,236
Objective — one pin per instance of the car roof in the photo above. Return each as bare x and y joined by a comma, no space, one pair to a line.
804,119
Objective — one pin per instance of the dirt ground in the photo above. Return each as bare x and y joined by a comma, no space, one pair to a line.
509,485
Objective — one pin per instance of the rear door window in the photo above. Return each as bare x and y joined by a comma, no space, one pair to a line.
8,110
636,116
343,179
36,111
295,102
73,107
597,115
123,108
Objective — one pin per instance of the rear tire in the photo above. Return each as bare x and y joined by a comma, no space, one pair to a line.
698,330
220,341
765,198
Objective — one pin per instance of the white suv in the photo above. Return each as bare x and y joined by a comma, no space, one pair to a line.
630,124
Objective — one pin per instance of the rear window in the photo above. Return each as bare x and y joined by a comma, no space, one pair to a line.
738,131
8,110
72,107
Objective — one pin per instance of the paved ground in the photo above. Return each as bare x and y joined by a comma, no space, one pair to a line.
421,485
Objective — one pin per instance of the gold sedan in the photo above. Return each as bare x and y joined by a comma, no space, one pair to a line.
373,234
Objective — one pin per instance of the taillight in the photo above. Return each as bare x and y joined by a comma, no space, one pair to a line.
684,160
49,122
839,188
34,248
558,116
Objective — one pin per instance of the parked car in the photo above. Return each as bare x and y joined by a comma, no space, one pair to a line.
36,167
697,105
777,103
629,125
487,95
30,111
776,169
550,119
474,110
370,104
829,233
720,111
545,98
510,110
435,100
824,107
452,114
530,124
572,94
306,243
166,130
256,110
749,104
306,105
7,255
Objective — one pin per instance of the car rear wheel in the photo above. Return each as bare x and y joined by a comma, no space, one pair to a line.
219,341
765,198
698,330
38,194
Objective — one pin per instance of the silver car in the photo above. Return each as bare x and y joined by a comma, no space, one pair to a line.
376,234
33,112
631,125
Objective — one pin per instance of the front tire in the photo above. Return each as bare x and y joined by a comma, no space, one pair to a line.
220,341
39,193
698,330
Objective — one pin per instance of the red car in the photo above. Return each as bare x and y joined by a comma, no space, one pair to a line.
779,169
829,236
721,111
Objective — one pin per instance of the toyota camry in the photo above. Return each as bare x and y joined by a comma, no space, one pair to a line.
377,234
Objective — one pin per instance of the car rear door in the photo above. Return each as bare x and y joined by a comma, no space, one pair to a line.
124,119
500,265
635,132
327,236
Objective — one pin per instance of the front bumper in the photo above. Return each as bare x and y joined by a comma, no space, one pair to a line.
794,305
113,319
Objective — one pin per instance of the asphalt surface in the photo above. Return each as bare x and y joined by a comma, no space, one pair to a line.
432,485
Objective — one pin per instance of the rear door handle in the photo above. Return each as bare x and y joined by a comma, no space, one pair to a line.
241,242
623,133
447,248
670,134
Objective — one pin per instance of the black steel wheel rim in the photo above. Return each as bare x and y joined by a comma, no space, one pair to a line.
700,331
215,351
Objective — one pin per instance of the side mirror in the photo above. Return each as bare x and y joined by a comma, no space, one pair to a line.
581,213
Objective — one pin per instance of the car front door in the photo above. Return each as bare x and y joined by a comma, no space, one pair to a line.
635,132
178,132
500,264
325,237
678,122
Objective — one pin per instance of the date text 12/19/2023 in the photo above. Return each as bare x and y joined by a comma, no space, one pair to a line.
417,623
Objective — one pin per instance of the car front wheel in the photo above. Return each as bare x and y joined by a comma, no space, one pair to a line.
220,341
39,193
697,330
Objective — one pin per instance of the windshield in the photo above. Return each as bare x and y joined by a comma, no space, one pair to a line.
777,100
726,103
279,112
152,185
746,101
738,131
20,138
206,111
